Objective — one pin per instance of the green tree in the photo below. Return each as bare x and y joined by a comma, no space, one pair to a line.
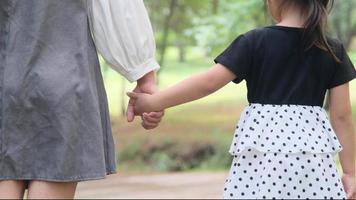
231,18
343,21
171,18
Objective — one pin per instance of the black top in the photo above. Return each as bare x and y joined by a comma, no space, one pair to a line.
278,70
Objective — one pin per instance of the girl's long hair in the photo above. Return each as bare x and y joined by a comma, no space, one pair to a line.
316,13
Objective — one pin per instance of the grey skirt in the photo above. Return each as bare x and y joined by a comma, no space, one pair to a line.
54,116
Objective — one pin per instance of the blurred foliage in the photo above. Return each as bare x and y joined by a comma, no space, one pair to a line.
213,24
342,22
174,154
173,18
234,17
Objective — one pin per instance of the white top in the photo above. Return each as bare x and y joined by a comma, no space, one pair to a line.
123,35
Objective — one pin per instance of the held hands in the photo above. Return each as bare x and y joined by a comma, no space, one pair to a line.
149,120
143,102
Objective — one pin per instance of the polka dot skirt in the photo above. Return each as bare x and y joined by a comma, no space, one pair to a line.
284,151
258,175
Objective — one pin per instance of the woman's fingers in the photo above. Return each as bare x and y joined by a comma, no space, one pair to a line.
132,95
130,113
151,120
148,125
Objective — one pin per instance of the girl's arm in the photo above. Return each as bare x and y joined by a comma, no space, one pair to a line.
343,124
190,89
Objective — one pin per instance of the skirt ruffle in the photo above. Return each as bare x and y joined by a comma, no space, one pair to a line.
284,152
271,175
285,129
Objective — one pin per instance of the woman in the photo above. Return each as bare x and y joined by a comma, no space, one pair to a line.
55,126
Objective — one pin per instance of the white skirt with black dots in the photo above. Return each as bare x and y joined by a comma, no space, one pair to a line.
284,152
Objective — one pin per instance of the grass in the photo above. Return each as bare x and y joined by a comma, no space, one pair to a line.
202,128
180,136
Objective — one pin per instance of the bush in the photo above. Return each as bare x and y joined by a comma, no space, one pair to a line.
176,155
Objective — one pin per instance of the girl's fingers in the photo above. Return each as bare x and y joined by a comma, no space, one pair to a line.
148,125
156,114
151,118
149,122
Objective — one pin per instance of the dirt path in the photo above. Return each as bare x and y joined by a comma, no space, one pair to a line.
177,185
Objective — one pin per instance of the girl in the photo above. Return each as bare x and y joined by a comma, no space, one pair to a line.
284,144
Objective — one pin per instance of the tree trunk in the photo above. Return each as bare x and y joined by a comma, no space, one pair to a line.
350,31
167,23
349,37
343,24
215,6
181,49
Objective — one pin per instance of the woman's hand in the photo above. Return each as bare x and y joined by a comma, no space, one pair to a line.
349,184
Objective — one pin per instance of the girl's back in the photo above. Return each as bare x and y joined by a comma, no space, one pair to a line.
278,70
284,138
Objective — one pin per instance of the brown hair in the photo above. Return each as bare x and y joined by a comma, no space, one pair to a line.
316,12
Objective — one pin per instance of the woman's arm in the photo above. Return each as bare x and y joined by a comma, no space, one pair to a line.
190,89
123,35
343,124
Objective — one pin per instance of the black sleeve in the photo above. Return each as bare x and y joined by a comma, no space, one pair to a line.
237,58
344,72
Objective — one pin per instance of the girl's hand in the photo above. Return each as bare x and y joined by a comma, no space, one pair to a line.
151,120
350,186
142,103
146,84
